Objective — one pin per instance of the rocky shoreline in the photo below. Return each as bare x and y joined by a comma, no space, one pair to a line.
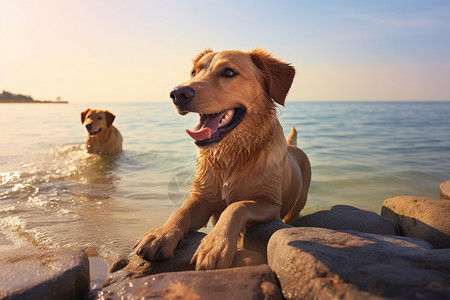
343,253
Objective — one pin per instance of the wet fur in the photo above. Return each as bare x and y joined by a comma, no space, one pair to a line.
109,140
252,175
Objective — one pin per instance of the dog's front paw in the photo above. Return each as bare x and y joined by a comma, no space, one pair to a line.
216,251
158,244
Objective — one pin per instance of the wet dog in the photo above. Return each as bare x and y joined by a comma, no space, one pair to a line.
247,172
103,136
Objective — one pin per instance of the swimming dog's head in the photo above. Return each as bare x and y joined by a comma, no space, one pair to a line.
232,91
96,120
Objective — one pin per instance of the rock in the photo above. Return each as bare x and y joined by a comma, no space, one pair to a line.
257,236
238,283
181,261
318,263
245,258
420,217
118,263
445,190
343,217
30,273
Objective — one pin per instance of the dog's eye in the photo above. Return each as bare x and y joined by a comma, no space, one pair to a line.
193,73
228,73
99,118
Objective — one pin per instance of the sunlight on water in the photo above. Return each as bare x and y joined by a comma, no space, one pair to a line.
54,194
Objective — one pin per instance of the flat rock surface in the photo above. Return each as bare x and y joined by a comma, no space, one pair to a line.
30,273
237,283
420,217
445,190
344,217
139,267
181,261
318,263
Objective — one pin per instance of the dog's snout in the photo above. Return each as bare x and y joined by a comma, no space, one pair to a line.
182,95
89,126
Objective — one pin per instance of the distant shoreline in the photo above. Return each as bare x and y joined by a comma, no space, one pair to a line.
33,101
8,97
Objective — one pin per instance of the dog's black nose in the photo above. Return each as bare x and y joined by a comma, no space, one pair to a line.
182,95
88,127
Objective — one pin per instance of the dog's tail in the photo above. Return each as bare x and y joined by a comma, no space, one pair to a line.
292,137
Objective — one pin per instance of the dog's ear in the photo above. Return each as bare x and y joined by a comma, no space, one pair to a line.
109,118
203,53
83,115
277,75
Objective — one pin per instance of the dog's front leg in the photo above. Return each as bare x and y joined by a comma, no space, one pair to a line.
160,243
217,249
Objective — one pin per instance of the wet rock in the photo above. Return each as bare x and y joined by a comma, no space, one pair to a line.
30,273
317,263
257,236
445,190
238,283
119,263
344,217
181,261
420,217
340,217
139,267
245,258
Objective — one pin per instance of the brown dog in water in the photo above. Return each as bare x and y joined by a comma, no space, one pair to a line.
246,170
104,137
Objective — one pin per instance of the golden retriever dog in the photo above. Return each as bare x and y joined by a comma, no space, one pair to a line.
247,172
103,136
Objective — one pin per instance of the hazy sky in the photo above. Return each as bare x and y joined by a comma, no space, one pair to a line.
132,51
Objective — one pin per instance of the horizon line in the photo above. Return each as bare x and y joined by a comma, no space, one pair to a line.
164,101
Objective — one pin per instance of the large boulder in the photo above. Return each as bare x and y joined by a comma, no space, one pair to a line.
237,283
30,273
445,190
344,217
318,263
420,217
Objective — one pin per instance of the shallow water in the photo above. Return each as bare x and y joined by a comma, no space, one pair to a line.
53,193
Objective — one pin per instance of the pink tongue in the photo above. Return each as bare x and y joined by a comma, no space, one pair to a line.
205,127
200,135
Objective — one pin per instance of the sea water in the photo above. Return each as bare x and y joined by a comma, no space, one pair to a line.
54,194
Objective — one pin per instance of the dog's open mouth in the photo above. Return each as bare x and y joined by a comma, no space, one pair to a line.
95,132
212,128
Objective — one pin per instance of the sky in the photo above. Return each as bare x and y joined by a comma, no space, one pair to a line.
92,51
